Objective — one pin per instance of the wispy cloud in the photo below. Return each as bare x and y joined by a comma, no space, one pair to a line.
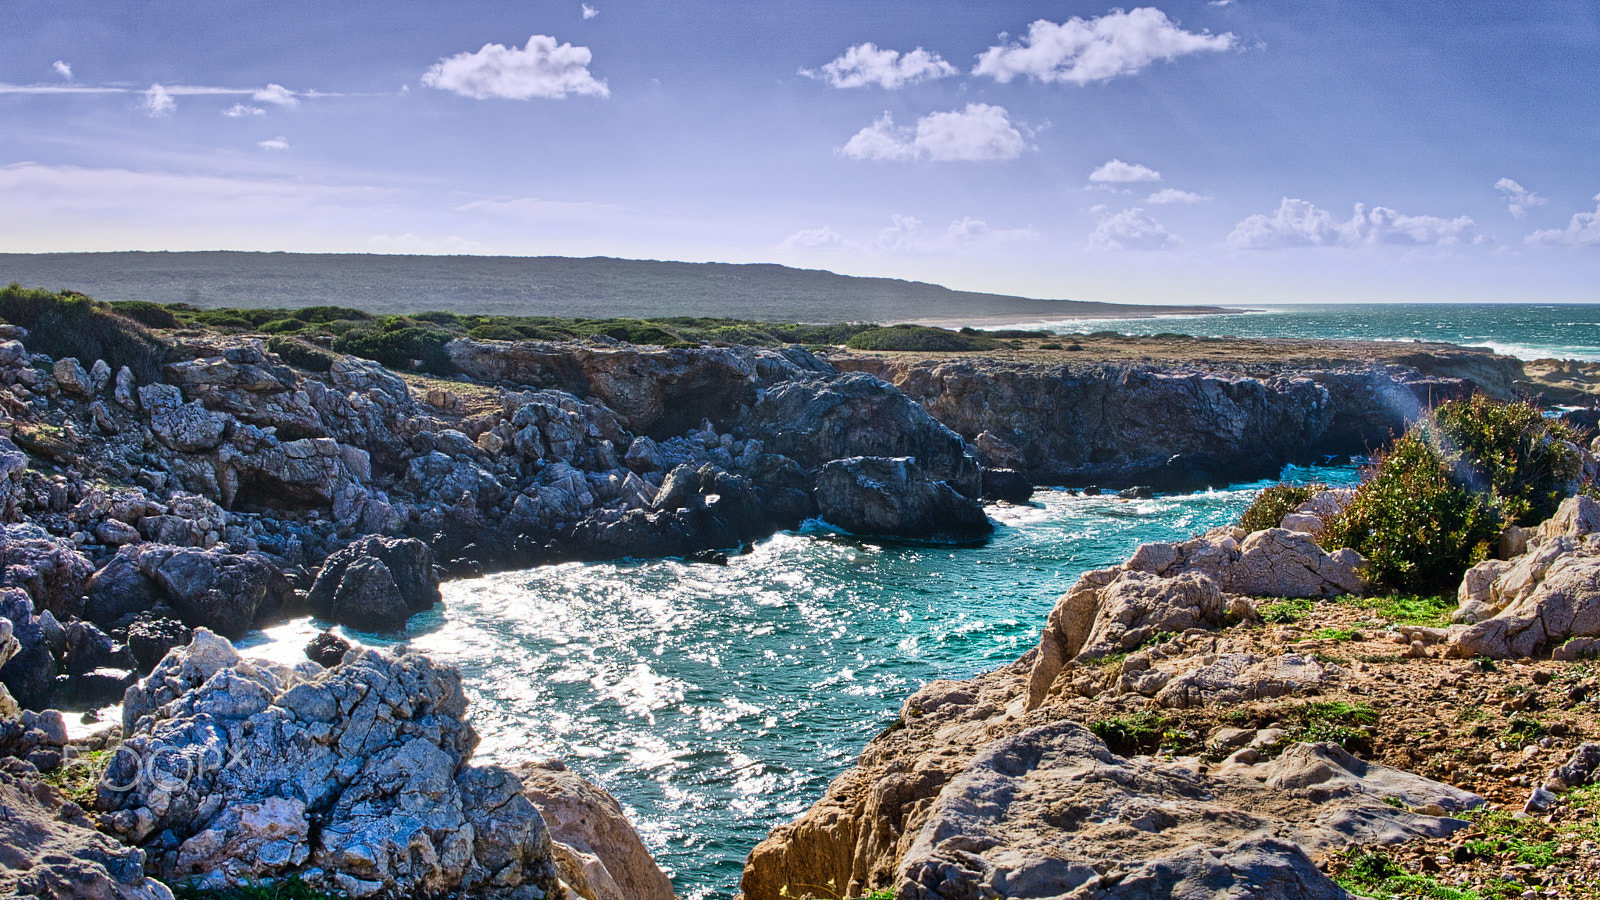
1088,50
1118,172
274,144
1173,195
158,101
542,69
239,110
866,64
1298,223
906,236
589,12
1518,198
1582,231
978,133
1131,229
276,93
62,69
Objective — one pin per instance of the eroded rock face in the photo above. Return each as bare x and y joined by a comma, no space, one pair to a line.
53,851
1551,595
1051,810
598,850
376,749
894,496
376,584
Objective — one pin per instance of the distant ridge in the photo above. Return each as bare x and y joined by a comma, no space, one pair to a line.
594,287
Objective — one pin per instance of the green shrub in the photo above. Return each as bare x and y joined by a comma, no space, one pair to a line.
1417,527
495,333
1127,735
284,326
396,343
1527,462
150,315
69,324
318,315
1285,610
301,354
918,337
1275,502
1050,345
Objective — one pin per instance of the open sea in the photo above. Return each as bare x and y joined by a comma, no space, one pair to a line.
718,702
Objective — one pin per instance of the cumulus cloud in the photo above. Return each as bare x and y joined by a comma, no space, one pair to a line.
1131,229
1518,198
1088,50
978,133
1298,223
157,102
541,69
866,64
1173,195
239,110
276,93
1119,172
589,12
1582,231
274,144
62,69
906,236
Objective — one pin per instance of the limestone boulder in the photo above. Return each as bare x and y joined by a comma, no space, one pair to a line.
376,584
871,495
375,750
597,849
1552,596
72,378
1577,516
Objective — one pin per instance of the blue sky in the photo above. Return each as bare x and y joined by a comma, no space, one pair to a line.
1243,151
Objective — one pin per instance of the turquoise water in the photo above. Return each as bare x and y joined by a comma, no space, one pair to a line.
717,702
1527,331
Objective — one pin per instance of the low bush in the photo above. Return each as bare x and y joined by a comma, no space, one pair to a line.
301,354
67,323
150,315
918,338
398,344
1275,502
1526,462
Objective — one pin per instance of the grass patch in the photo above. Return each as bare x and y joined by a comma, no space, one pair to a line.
1338,722
1128,735
1429,610
1285,610
1375,875
1336,634
78,778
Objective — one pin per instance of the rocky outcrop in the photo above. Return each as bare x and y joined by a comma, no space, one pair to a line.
376,584
1186,425
357,779
893,496
596,848
1051,810
53,852
1167,587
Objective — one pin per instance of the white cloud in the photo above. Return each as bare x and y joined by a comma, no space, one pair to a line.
158,102
867,63
1084,51
905,236
978,133
274,144
541,69
1518,198
1582,231
1222,2
239,110
1173,195
589,12
62,69
1119,172
1298,223
276,93
1131,229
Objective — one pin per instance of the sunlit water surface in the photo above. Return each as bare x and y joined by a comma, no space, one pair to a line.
717,702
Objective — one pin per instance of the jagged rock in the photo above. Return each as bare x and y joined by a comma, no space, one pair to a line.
27,665
816,421
1006,484
209,589
1551,594
50,569
1304,523
120,588
189,427
376,747
894,496
89,648
150,637
125,391
1578,770
327,649
598,850
103,420
53,851
376,584
1575,517
69,374
99,376
1051,810
113,533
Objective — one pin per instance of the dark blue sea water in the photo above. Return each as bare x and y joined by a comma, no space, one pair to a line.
1527,331
718,702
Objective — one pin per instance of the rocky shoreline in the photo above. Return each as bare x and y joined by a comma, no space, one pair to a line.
148,519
